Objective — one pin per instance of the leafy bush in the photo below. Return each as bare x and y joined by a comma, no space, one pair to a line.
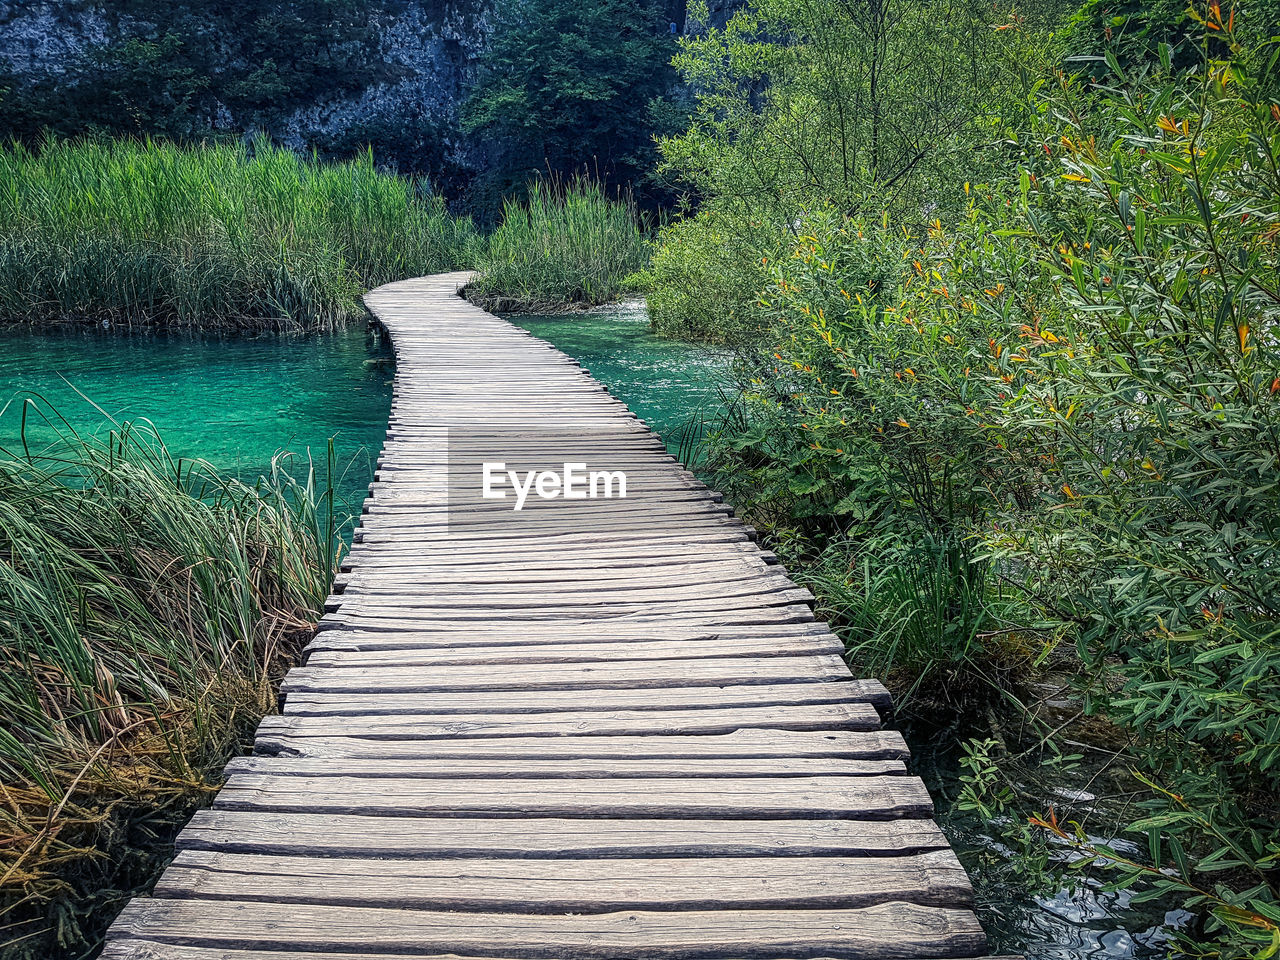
566,245
704,277
565,86
225,236
1155,224
802,104
1060,417
863,441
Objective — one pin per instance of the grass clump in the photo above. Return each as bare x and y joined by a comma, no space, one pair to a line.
147,604
226,236
567,245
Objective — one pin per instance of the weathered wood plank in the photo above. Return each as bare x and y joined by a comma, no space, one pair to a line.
611,723
710,616
498,643
143,950
338,835
331,675
584,672
342,739
550,701
572,886
431,594
868,798
406,768
892,930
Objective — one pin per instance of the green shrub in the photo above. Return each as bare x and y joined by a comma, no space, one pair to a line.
705,276
1060,418
1153,215
221,236
566,245
863,442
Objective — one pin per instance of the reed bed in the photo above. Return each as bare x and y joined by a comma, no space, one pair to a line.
234,236
567,245
147,605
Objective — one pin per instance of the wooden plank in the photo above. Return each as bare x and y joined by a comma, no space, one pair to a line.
143,950
562,769
694,642
565,676
373,561
339,835
572,886
286,737
566,631
405,603
882,931
410,542
396,593
587,576
663,658
867,798
584,723
550,701
630,615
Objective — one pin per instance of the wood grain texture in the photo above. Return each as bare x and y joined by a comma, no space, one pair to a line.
142,950
337,835
340,741
890,930
579,723
571,886
867,798
550,701
604,729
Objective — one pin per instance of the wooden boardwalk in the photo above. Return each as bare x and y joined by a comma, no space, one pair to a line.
597,728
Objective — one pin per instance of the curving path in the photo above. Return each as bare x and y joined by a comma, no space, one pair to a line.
602,727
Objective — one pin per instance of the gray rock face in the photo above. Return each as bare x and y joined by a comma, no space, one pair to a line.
430,50
41,37
425,53
426,49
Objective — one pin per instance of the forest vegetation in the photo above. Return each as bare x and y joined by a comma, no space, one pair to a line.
1001,287
1004,297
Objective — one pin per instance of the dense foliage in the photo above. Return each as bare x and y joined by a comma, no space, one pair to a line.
146,607
868,107
567,86
1023,410
231,236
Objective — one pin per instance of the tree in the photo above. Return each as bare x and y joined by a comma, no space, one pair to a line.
861,103
568,85
871,107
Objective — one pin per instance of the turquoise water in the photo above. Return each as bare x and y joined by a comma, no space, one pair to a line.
234,401
674,387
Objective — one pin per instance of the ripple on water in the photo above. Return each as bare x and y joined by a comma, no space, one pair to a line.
667,383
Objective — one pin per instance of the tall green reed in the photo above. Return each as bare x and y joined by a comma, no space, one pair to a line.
224,236
567,244
147,603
